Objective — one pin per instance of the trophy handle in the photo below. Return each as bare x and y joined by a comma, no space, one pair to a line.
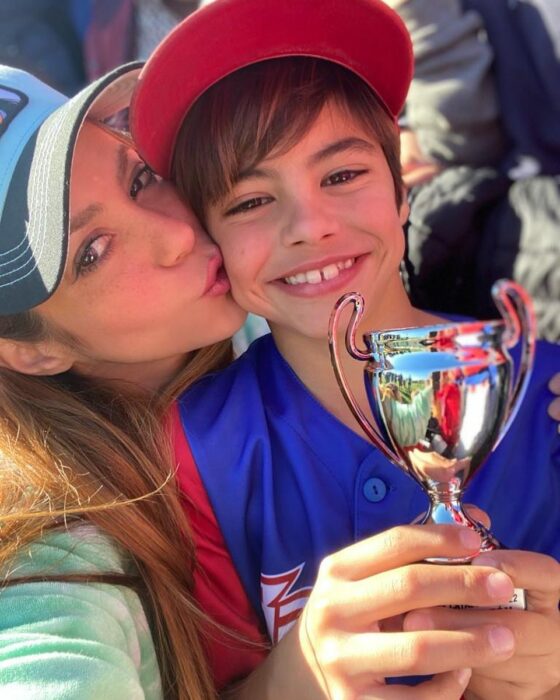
516,307
367,426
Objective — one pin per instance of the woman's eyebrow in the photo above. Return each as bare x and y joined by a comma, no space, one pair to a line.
351,143
122,162
85,216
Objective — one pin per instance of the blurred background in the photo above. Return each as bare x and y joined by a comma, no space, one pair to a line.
67,43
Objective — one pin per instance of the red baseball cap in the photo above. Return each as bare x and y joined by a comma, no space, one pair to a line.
365,36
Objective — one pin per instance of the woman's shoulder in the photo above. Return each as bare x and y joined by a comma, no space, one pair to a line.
64,636
79,549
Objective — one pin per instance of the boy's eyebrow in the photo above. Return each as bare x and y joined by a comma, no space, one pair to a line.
352,142
251,172
86,215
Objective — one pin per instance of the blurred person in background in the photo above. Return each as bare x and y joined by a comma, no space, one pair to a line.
481,153
123,30
41,36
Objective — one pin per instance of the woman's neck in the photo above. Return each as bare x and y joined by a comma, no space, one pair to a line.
148,376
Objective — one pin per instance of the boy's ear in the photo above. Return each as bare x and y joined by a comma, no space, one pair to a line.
34,358
404,209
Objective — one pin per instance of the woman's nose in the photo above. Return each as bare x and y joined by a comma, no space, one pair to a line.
172,242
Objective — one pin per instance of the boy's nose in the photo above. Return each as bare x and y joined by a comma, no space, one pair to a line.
307,223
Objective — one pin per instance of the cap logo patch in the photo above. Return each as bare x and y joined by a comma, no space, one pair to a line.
11,103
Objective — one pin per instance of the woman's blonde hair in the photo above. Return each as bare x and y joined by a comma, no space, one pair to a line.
72,447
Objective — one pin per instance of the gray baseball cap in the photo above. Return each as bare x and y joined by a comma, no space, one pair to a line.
38,132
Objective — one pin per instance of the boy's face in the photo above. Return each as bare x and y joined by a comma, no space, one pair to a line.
305,226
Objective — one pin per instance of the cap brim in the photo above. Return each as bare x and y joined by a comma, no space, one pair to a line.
36,216
365,36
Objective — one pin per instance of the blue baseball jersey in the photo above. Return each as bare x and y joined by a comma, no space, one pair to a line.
289,483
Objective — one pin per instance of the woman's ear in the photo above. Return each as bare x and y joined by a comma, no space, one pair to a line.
39,358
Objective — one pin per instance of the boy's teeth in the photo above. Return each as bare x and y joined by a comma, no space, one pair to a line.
313,277
328,272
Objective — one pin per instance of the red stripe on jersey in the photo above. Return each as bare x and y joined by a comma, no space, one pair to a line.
218,589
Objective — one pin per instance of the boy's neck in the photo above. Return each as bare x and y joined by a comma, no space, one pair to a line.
310,360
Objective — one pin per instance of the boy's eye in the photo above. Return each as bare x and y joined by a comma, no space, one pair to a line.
248,204
143,178
342,176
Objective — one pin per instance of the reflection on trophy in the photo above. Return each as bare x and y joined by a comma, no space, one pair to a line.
441,396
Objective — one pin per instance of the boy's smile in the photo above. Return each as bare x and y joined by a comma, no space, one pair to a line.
330,271
311,222
322,277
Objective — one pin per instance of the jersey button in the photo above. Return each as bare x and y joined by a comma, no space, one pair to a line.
375,489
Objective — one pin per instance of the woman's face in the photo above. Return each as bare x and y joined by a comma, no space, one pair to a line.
143,283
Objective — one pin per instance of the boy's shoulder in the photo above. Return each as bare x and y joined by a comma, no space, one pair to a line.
246,365
242,384
546,364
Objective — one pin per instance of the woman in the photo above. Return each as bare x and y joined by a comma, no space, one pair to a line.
107,284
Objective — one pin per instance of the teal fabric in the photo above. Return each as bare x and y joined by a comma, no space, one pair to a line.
74,641
253,328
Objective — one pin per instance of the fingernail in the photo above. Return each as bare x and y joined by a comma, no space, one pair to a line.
463,676
499,585
501,639
469,538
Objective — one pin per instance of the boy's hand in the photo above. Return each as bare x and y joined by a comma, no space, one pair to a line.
350,632
554,407
534,670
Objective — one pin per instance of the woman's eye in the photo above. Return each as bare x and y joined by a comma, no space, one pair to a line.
343,176
93,253
248,204
143,178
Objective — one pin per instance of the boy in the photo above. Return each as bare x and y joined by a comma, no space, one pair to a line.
294,169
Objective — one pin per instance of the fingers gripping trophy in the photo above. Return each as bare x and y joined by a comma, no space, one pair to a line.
442,397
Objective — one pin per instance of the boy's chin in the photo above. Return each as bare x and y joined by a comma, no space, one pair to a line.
310,329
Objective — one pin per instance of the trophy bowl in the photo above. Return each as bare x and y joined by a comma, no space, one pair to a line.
441,397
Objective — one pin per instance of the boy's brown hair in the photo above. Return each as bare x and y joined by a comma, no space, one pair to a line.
267,108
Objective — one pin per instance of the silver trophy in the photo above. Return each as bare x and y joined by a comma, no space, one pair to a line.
442,396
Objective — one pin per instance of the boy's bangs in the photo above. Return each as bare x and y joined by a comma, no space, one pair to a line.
276,103
262,111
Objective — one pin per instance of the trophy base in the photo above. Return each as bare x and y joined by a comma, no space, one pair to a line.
518,601
488,544
451,513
